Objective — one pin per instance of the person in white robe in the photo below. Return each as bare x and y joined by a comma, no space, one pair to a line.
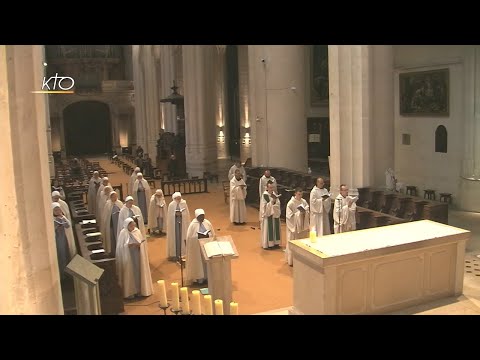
238,193
57,187
298,221
262,184
156,212
344,211
61,223
133,268
130,210
72,248
178,219
105,182
270,218
133,178
93,187
141,195
109,227
237,166
320,207
104,196
195,267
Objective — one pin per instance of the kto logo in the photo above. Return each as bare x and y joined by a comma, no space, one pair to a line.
56,85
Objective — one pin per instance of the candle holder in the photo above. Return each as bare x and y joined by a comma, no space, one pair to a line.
176,311
164,308
190,313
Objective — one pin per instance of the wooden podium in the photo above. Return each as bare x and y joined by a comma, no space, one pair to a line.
220,273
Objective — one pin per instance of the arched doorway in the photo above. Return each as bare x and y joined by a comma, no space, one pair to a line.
87,128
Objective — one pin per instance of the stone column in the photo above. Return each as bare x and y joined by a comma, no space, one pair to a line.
62,135
361,114
201,147
220,95
152,103
30,281
245,121
167,65
277,102
139,96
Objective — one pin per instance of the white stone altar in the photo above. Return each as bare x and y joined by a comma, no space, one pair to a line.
378,270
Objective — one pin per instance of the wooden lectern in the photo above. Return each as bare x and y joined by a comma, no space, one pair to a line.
220,272
87,293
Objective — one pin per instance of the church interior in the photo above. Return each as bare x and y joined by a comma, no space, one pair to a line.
395,126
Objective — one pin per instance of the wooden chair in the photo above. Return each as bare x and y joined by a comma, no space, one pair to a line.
226,190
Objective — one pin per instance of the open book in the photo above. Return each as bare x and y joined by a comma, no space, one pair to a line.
205,233
93,234
353,198
214,248
301,207
181,210
98,251
276,196
85,222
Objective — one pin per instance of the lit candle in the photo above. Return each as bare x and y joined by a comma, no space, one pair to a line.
175,296
313,235
218,307
196,308
208,304
233,308
185,303
163,293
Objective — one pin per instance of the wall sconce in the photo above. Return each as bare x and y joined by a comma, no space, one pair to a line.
246,139
221,137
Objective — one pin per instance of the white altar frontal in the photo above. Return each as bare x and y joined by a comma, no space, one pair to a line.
378,270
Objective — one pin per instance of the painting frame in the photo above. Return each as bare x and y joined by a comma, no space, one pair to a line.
425,93
319,91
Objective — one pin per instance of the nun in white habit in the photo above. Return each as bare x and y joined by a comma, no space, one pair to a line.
110,215
195,267
104,196
178,219
61,223
104,183
72,248
93,187
132,211
133,269
156,212
133,178
141,195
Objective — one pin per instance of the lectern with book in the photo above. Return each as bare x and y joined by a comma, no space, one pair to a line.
218,255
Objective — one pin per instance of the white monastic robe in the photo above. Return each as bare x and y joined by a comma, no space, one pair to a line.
262,184
231,172
102,200
238,210
133,269
319,211
269,221
125,212
109,226
343,216
93,187
99,194
156,213
298,224
177,232
132,180
72,248
141,196
195,267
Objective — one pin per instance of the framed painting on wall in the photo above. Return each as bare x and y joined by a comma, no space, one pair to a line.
424,93
319,75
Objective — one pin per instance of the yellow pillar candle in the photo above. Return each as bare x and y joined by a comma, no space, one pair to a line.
175,296
313,236
233,308
208,305
196,306
163,293
218,307
185,302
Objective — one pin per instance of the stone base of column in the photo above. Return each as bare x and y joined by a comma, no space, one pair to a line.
200,159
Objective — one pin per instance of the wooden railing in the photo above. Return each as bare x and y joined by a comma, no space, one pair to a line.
185,186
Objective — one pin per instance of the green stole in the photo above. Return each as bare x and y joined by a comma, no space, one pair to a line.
273,224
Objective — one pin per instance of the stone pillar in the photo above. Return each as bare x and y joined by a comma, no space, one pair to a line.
220,95
361,114
62,135
152,103
245,121
277,102
167,65
115,128
28,259
201,147
139,96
